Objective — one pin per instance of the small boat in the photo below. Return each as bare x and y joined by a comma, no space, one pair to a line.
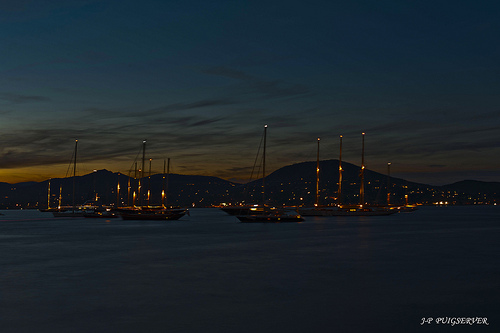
407,208
100,214
240,210
273,215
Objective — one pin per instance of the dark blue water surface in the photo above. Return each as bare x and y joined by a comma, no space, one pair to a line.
210,273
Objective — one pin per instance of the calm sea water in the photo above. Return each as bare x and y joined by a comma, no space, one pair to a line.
210,273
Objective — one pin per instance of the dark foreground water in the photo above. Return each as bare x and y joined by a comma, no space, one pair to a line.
211,273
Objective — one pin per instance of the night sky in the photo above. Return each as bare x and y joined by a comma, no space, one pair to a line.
200,79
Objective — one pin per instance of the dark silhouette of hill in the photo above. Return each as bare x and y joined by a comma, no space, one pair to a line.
102,185
474,186
296,185
291,185
466,190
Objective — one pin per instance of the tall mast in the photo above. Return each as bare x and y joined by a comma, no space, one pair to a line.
165,183
135,184
264,168
143,157
96,197
388,183
128,189
149,181
74,174
362,174
48,197
406,194
317,176
163,186
142,171
339,192
60,196
168,176
118,191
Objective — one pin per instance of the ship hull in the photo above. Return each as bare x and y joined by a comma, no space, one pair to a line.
162,215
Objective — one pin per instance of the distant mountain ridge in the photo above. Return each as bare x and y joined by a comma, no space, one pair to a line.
291,185
474,186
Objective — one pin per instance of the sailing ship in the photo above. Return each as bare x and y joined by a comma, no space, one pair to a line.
73,212
147,212
362,209
264,213
152,213
347,210
241,210
249,208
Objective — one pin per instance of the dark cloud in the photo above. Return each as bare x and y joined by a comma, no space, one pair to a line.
277,89
101,113
229,73
19,98
94,57
14,6
206,122
185,106
239,169
55,145
114,141
255,85
117,113
485,116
